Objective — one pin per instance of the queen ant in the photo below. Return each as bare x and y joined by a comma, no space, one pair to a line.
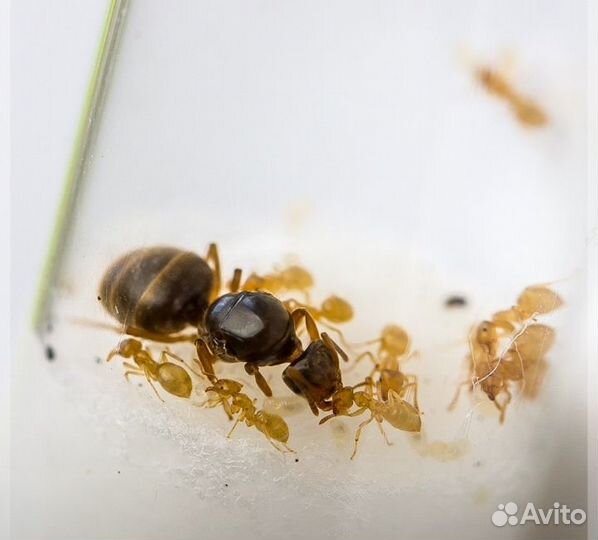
496,372
158,291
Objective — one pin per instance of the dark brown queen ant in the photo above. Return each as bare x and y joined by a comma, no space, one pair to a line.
255,328
157,291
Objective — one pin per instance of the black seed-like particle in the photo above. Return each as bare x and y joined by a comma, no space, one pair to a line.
455,301
50,353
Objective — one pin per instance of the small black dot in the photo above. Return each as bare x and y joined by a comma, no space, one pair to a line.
296,460
455,301
99,298
225,485
50,354
118,472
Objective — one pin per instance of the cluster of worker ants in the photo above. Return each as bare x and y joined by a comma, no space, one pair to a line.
158,292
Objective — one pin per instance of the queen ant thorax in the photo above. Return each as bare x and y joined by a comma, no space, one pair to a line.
522,361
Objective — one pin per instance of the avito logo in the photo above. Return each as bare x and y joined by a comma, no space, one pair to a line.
557,514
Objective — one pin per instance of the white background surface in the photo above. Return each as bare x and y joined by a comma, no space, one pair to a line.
50,58
45,57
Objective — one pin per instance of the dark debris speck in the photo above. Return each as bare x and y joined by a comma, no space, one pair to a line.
225,485
99,298
98,360
455,301
50,353
296,460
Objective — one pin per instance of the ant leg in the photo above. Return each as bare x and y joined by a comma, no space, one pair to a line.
166,354
338,333
503,408
159,338
149,380
214,258
333,415
287,449
369,342
135,332
294,374
213,403
358,434
274,445
367,382
413,385
326,418
205,360
312,329
235,282
386,440
259,379
145,373
132,367
240,418
455,399
361,356
358,412
334,348
130,372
